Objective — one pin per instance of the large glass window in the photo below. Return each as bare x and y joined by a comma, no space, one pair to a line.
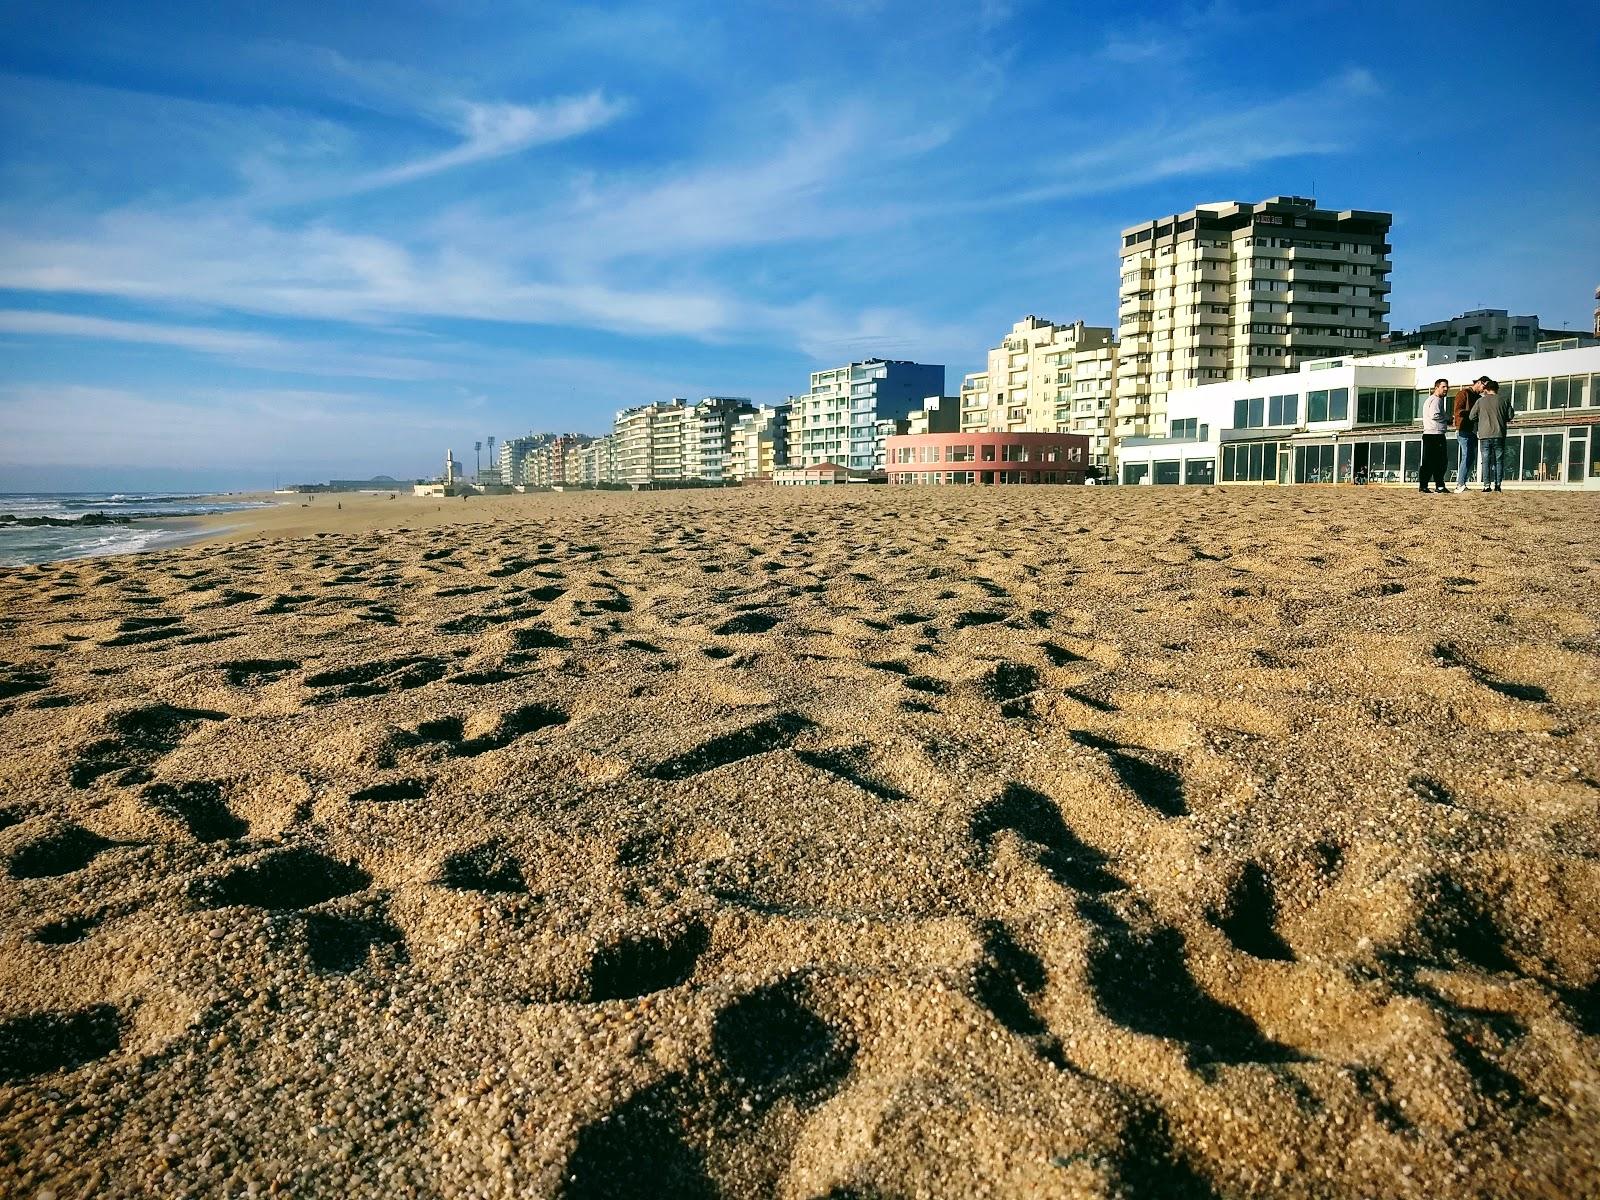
1385,406
1541,458
1317,405
1258,412
1254,463
1313,464
1540,395
1200,470
1339,404
1134,472
1519,391
958,454
1283,410
1167,471
1413,460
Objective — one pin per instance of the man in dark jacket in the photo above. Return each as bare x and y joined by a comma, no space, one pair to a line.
1493,417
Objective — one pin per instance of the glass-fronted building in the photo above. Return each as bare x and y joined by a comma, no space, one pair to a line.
1357,421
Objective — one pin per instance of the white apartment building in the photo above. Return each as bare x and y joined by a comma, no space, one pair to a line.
1357,420
669,429
758,443
592,462
1237,291
841,419
1093,390
514,455
708,434
649,442
1028,383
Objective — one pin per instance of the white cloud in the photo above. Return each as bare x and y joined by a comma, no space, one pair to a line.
188,337
260,351
493,131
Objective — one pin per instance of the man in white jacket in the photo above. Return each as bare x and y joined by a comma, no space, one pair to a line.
1435,422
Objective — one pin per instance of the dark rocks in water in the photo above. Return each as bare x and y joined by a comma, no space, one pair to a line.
93,518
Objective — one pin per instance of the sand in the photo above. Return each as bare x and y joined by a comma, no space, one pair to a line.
835,843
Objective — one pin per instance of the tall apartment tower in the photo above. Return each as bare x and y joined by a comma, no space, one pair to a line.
1046,378
842,418
1233,291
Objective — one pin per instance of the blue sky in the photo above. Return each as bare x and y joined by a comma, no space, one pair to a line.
248,240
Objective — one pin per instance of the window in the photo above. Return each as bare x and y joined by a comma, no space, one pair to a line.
958,454
1541,458
1200,470
1188,427
1253,463
1283,410
987,452
1385,406
1330,405
1134,472
1313,464
1013,454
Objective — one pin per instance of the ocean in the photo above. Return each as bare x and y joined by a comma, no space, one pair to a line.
21,543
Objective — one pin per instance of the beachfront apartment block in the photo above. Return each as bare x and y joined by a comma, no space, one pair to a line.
1358,420
758,443
649,442
849,410
593,462
1232,291
1027,383
515,453
709,433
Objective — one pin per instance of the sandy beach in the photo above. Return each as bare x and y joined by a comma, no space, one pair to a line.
856,842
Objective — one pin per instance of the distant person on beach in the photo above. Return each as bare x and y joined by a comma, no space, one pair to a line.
1494,415
1434,425
1464,419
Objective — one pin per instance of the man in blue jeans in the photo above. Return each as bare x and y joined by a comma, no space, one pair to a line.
1465,419
1493,415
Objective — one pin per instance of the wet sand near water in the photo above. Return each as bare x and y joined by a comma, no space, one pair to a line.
835,842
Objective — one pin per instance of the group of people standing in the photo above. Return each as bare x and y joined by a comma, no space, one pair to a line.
1480,418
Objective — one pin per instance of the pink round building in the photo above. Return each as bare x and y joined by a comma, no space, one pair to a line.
987,458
